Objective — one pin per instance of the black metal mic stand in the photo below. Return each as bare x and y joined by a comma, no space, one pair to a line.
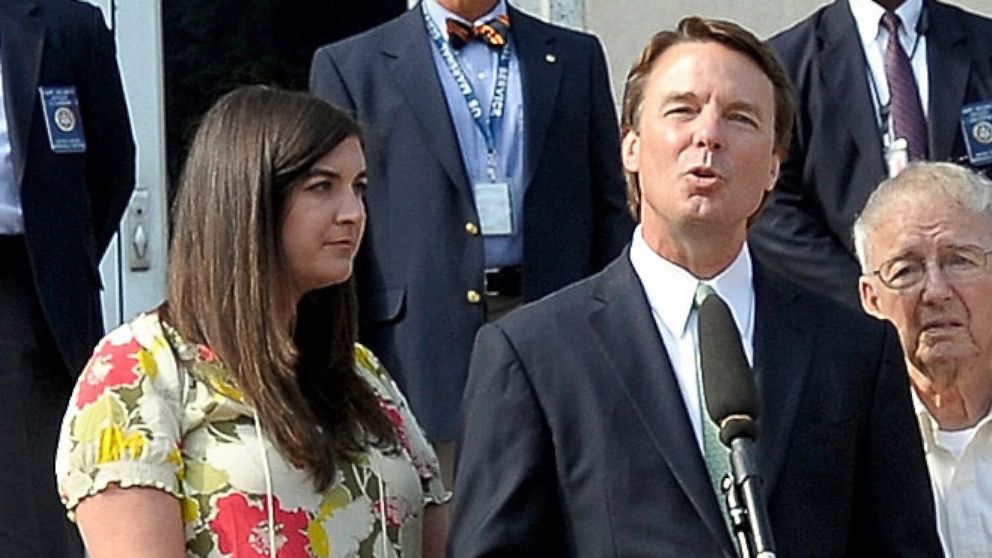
745,502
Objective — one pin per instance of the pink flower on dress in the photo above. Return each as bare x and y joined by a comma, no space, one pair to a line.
393,413
242,528
205,354
397,511
395,417
111,366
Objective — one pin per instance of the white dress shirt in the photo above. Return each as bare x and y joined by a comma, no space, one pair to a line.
960,464
874,41
670,290
11,219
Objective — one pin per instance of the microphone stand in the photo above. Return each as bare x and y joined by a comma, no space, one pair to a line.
745,503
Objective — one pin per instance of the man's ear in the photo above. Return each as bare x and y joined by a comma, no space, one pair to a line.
776,168
869,298
630,151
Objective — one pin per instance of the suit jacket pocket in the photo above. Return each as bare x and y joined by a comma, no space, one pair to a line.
384,306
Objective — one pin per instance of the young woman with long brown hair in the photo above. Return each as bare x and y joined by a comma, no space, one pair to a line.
241,418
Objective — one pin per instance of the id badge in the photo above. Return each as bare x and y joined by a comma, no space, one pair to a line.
63,119
896,156
976,125
492,201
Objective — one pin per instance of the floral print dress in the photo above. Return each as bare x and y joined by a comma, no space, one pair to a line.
151,409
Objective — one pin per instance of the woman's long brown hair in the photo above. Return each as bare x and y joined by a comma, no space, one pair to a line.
248,154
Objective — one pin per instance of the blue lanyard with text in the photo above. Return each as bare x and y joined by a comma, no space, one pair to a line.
488,126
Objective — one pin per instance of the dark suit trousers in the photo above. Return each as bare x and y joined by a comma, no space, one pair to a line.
34,390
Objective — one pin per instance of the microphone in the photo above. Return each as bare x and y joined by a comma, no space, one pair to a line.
731,393
732,403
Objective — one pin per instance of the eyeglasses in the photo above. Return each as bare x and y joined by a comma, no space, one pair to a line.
957,263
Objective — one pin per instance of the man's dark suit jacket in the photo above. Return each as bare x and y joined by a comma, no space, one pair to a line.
72,203
419,258
577,443
836,160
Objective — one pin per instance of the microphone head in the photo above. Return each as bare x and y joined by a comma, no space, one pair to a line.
737,426
728,383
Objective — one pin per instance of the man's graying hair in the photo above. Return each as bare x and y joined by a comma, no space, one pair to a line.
925,182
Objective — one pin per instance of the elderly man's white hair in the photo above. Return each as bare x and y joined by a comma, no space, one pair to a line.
927,182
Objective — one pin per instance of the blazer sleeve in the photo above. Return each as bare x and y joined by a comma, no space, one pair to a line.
110,152
326,81
614,223
893,483
506,502
792,237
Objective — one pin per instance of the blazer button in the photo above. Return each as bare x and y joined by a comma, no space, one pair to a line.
473,297
471,228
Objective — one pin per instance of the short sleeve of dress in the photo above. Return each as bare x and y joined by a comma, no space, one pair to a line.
124,420
411,437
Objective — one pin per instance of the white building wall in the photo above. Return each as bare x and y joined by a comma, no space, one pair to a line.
624,26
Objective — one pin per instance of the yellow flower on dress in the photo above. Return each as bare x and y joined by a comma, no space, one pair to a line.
334,500
191,510
365,359
90,422
115,445
147,362
219,378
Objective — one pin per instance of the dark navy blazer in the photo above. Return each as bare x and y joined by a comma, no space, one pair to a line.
72,203
577,442
419,258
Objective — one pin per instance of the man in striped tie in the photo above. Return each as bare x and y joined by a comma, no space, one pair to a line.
585,431
879,83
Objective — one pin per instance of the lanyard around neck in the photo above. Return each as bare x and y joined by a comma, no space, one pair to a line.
487,125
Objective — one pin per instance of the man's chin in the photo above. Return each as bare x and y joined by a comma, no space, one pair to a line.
940,359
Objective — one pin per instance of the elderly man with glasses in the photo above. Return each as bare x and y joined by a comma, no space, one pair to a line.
923,242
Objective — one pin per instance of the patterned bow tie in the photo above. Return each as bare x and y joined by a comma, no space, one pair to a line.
493,32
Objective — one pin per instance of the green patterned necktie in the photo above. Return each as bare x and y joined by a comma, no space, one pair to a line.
716,454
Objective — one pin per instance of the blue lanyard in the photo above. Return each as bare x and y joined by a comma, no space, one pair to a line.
488,126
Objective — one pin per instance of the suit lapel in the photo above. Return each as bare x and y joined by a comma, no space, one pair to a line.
948,64
409,59
783,344
22,38
842,66
629,341
540,76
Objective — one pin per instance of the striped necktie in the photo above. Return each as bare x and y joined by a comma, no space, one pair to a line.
907,111
716,454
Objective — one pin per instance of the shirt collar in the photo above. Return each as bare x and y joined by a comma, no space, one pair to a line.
439,14
868,14
928,424
670,288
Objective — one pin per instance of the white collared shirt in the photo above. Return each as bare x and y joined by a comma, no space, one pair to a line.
670,290
11,218
960,465
874,41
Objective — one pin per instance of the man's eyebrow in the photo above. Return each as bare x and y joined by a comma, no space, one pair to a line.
676,96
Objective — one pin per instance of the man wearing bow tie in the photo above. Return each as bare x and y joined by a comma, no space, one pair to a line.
492,148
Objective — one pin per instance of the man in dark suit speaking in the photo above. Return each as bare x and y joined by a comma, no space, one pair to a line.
878,83
493,154
584,433
66,174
